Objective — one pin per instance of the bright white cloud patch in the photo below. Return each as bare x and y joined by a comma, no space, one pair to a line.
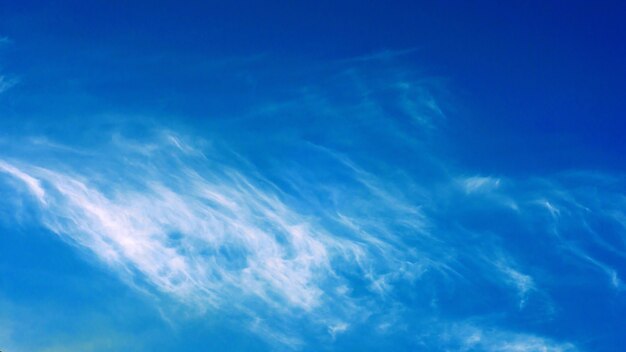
212,233
198,243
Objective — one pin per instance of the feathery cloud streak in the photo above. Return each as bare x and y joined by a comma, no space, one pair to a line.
333,232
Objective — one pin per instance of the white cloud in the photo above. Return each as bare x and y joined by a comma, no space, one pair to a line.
480,184
522,282
208,231
336,329
32,183
468,336
203,226
198,229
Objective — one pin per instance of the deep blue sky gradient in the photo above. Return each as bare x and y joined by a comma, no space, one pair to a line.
499,125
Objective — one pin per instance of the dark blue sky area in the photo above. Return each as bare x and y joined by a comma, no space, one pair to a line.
546,79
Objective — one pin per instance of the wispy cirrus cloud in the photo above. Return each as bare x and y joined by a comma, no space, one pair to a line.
469,336
194,243
208,232
355,220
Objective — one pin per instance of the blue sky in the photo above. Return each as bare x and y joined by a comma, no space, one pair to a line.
319,176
